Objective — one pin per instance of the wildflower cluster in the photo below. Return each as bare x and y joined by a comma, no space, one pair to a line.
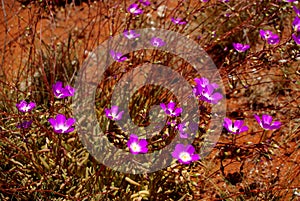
204,90
60,124
131,34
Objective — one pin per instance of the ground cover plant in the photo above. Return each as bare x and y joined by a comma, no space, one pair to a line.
254,90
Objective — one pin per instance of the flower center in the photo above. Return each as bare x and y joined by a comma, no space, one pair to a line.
132,10
185,156
234,129
135,147
61,127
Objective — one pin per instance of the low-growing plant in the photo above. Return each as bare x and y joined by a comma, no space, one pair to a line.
47,153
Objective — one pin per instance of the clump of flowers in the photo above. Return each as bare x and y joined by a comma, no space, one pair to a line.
205,91
236,128
113,113
170,109
137,145
23,106
269,36
117,56
240,47
62,92
157,42
62,125
266,122
134,9
185,154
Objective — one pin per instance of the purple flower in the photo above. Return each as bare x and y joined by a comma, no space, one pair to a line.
117,56
134,9
268,35
171,110
113,113
182,130
62,125
240,47
24,124
209,96
235,128
178,21
145,2
185,154
131,34
137,146
61,92
296,24
205,1
203,82
204,90
296,38
297,11
157,42
266,122
23,106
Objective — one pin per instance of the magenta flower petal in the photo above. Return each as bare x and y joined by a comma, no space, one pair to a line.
171,105
163,106
60,119
275,125
195,157
70,91
238,123
274,39
227,124
178,149
190,149
243,129
52,121
258,119
70,122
